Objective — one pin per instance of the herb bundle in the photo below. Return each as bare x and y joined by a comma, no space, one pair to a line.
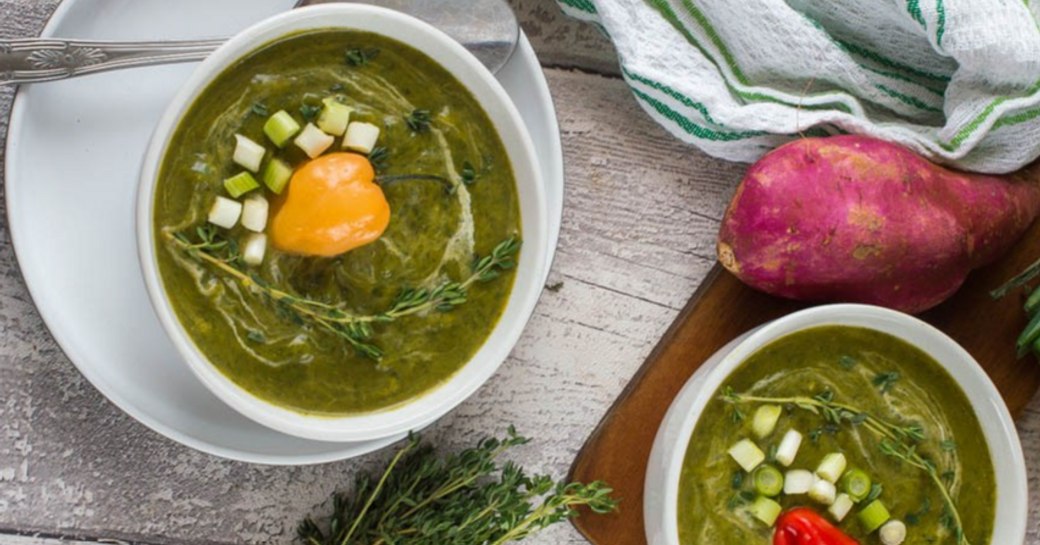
461,499
896,440
211,247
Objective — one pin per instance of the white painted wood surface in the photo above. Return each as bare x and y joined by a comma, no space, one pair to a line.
638,231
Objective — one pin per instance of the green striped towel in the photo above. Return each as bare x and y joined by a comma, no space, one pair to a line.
956,80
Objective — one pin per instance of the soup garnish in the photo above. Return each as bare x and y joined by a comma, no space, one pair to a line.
838,434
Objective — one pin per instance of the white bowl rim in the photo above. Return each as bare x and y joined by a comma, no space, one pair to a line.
1011,514
418,412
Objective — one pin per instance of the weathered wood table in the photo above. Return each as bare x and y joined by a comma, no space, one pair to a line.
638,231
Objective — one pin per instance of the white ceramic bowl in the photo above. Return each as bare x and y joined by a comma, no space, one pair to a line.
661,492
423,410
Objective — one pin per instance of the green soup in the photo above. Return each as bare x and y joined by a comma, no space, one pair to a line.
877,374
463,207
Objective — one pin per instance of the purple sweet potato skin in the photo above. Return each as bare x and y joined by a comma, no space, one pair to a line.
855,219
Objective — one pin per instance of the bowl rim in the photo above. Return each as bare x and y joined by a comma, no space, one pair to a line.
419,411
672,440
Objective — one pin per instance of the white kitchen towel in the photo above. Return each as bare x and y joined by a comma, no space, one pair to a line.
956,80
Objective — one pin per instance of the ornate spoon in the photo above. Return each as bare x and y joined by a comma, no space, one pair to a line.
487,28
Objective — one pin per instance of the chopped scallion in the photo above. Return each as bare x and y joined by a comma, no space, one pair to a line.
873,516
280,128
768,480
856,483
893,533
240,184
841,507
248,154
823,491
798,481
765,419
313,141
788,449
225,212
832,466
335,116
765,510
747,454
277,175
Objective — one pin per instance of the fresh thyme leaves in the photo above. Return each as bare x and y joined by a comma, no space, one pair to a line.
468,498
913,519
740,498
885,381
875,492
737,480
361,56
847,362
899,441
310,112
260,109
418,120
468,174
737,415
948,445
209,246
378,157
449,186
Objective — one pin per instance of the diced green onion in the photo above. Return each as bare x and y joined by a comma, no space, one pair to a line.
335,117
225,212
280,128
240,184
313,141
823,491
747,454
798,481
841,507
276,175
768,480
254,248
832,466
893,533
361,137
856,483
248,154
788,449
765,420
765,510
254,213
1030,335
873,516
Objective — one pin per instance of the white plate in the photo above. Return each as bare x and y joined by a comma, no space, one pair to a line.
73,156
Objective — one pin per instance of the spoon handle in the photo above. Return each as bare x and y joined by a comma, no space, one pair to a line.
34,60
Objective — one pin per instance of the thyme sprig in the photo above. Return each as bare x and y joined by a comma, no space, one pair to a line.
210,246
418,120
896,440
461,499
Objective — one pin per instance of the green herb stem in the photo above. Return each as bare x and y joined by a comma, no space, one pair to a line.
211,248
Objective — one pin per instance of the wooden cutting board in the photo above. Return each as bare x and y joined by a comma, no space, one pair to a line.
723,308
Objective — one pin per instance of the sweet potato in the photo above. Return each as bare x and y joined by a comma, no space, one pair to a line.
854,219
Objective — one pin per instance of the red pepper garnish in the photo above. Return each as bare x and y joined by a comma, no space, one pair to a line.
802,526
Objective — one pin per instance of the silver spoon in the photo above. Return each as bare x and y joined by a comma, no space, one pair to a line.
487,28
